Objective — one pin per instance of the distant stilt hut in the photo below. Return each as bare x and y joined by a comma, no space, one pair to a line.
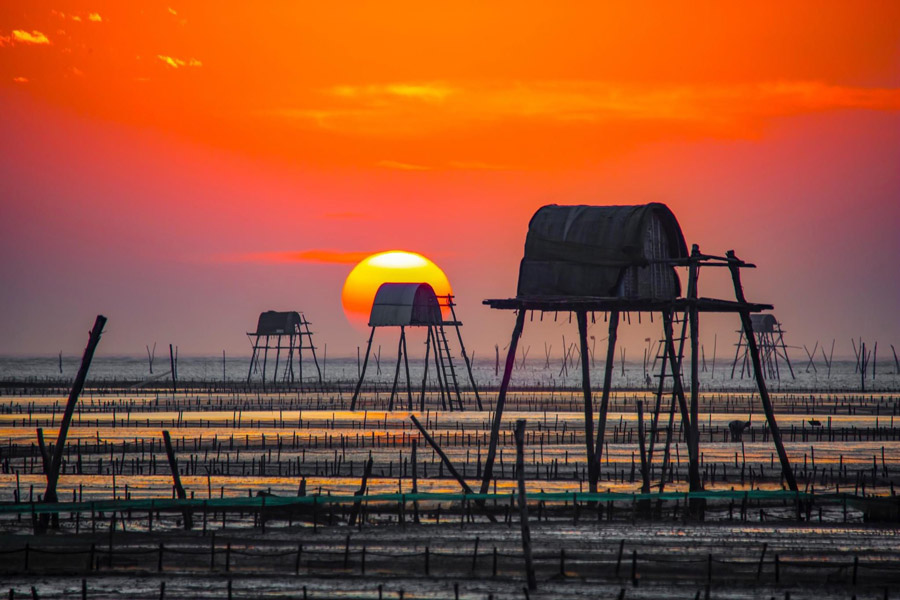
772,349
288,331
416,305
614,259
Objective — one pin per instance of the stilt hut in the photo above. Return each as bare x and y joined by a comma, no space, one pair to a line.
288,331
772,349
614,259
416,305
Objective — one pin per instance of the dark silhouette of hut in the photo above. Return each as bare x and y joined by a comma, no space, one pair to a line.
416,305
288,331
613,259
772,349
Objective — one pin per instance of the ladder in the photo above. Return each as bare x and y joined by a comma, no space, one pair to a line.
447,368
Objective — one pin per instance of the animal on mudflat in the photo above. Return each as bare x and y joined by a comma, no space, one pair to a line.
737,428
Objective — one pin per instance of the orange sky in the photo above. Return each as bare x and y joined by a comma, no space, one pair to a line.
183,166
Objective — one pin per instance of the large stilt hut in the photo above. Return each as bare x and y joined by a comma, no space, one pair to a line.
281,331
406,305
619,259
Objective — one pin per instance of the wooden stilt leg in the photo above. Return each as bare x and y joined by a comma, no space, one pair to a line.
678,391
581,317
501,400
694,318
604,399
362,373
397,369
425,370
406,363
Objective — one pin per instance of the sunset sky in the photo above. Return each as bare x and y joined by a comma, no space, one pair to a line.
181,167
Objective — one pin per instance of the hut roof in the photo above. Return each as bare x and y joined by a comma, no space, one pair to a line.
278,323
405,304
581,251
764,323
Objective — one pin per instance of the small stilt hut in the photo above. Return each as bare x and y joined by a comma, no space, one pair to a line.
772,349
614,259
288,331
416,305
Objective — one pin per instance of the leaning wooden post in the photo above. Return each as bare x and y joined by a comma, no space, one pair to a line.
362,373
446,460
734,267
77,386
604,399
176,478
523,504
501,400
581,317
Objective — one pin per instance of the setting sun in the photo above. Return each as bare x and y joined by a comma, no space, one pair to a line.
395,266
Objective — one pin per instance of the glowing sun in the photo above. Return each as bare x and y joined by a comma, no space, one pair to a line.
395,266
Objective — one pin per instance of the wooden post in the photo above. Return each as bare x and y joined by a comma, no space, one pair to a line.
77,386
176,478
523,503
362,372
415,478
734,267
604,399
645,467
367,472
172,367
581,317
501,400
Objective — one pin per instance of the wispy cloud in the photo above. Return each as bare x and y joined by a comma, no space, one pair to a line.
299,256
20,79
412,109
177,63
20,36
95,17
402,166
419,91
346,215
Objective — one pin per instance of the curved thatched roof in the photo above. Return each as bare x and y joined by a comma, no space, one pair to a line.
585,250
278,323
405,304
764,323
